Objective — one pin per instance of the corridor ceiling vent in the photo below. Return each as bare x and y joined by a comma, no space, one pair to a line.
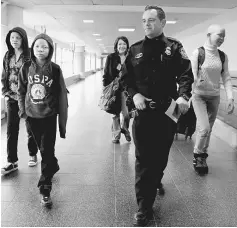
88,21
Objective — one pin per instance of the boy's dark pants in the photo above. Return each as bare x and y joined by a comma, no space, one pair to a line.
44,131
13,122
153,134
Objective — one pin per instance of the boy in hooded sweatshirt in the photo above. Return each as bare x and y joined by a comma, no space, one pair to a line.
42,96
17,54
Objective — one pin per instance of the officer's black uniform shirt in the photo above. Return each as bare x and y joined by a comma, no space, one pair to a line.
152,53
154,66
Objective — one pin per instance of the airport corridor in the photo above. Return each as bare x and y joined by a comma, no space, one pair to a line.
95,183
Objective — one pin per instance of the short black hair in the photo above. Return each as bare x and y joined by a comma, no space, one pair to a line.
160,11
123,38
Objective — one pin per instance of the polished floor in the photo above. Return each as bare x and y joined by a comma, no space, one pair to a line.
95,184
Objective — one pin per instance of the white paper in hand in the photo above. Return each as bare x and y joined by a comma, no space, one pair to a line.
173,111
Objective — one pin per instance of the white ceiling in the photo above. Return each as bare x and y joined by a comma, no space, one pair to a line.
63,18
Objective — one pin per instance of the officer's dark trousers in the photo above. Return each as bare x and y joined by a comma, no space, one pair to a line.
153,134
44,131
13,122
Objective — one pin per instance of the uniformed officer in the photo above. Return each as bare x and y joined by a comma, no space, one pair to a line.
154,67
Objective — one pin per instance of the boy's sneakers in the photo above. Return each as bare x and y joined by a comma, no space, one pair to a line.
10,167
200,164
45,192
33,161
46,201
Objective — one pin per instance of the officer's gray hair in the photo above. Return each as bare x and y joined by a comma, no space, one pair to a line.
160,11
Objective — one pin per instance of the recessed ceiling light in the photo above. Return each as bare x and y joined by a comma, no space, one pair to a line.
96,34
98,39
171,22
126,29
88,21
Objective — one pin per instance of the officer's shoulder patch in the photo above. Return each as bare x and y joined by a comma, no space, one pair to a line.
173,40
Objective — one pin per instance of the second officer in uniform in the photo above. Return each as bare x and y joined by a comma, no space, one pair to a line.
155,65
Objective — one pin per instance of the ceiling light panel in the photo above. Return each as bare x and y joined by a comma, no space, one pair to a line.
171,22
88,21
126,29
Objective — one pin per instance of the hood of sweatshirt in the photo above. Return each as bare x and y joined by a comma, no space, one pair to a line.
51,47
24,37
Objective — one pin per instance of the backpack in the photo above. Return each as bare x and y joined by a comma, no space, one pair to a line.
201,57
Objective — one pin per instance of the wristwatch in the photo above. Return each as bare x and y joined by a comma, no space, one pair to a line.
185,97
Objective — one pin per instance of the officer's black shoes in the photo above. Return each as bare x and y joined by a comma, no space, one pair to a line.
127,135
160,189
200,164
142,219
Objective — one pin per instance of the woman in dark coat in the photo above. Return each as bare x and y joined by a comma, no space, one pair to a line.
113,67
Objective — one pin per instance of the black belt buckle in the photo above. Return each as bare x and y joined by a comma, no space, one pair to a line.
152,105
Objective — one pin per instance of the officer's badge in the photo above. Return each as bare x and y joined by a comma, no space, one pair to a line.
139,55
168,51
183,53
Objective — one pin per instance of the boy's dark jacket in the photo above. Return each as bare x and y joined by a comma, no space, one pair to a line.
9,54
41,90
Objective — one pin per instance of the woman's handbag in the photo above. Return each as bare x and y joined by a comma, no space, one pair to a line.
109,97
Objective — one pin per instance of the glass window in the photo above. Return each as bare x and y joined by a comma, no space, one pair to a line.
87,61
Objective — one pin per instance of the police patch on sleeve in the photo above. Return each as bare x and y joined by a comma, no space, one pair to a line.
183,53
